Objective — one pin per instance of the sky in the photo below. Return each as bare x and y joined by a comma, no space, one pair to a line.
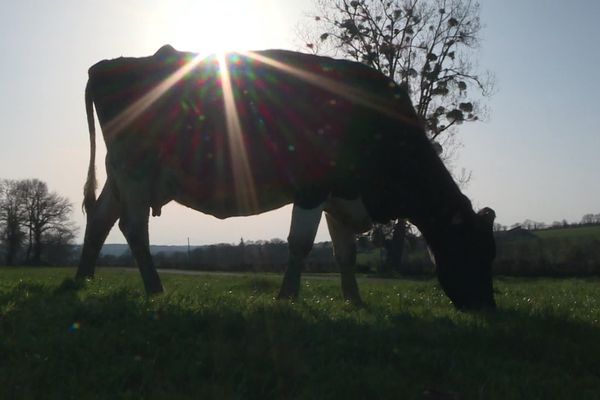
534,157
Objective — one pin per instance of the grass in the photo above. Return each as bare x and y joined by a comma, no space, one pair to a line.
225,337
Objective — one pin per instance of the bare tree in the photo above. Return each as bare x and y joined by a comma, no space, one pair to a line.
46,217
427,46
590,219
58,248
499,227
11,220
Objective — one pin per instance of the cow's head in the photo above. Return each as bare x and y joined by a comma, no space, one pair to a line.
464,257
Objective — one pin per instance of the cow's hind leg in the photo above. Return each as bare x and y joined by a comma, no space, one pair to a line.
344,250
134,225
99,222
300,241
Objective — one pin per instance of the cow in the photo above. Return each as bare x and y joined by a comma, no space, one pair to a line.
239,134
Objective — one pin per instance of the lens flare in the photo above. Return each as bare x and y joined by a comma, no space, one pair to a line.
355,95
125,118
232,77
245,190
75,326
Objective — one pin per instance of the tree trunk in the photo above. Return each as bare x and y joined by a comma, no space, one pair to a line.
37,248
383,268
29,248
11,251
395,246
13,242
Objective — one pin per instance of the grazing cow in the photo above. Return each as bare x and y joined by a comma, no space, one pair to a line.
241,134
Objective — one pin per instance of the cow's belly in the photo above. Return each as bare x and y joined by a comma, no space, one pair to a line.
225,205
351,213
260,186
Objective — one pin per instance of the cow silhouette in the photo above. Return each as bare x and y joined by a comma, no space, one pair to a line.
244,133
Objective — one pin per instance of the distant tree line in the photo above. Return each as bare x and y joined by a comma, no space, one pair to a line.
520,252
35,225
555,255
531,225
35,229
257,256
272,256
590,219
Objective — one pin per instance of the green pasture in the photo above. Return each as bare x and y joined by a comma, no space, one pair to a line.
579,232
214,336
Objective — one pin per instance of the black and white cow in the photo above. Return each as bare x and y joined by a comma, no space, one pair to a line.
241,134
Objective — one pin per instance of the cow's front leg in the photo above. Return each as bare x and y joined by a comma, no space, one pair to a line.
344,250
99,222
134,225
300,241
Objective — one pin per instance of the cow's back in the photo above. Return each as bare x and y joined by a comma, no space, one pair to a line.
310,127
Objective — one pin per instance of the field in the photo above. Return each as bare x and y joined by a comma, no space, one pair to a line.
579,232
225,337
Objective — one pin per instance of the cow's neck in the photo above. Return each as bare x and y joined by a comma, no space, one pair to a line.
440,203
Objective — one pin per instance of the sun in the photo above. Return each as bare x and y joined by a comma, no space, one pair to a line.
208,26
216,28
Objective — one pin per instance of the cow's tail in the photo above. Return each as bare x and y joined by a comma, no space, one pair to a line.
89,189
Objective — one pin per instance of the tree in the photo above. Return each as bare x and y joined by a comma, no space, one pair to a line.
242,251
499,227
11,220
424,45
532,225
590,219
46,216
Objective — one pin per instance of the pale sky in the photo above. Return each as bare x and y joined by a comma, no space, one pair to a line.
535,157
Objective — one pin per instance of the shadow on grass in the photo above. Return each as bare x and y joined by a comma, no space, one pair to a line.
64,343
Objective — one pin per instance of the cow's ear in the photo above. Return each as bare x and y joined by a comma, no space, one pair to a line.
488,216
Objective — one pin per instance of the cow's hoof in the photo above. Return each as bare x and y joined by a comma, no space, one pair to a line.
83,275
